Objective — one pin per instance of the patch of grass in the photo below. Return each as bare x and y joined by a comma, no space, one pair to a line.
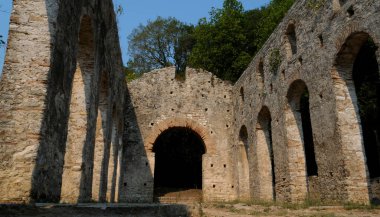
353,206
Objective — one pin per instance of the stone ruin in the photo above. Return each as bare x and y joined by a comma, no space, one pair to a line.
289,129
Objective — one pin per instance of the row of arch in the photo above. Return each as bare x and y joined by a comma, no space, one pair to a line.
290,39
79,152
355,76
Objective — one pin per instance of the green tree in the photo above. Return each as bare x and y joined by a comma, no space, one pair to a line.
221,41
160,43
226,43
130,75
269,19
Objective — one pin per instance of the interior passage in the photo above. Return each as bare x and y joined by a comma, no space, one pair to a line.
311,163
178,156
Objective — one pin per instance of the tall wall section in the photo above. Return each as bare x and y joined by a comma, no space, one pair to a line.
158,101
314,48
62,65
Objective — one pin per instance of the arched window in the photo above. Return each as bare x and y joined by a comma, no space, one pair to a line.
291,40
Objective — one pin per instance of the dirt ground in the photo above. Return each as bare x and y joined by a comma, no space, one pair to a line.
186,210
244,210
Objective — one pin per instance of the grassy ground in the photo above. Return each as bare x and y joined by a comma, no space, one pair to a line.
306,209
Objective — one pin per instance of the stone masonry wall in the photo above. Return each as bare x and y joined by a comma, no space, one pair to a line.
159,101
71,131
61,56
326,42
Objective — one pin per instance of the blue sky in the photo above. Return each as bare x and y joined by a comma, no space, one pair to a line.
140,11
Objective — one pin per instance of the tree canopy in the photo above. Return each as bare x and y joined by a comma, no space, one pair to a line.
160,43
224,44
221,41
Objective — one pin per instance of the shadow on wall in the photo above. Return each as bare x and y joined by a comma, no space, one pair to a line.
138,183
74,96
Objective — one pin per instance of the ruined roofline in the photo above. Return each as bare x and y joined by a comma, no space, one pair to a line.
171,72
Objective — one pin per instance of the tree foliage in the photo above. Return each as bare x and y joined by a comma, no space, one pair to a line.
269,19
160,43
226,43
221,41
223,44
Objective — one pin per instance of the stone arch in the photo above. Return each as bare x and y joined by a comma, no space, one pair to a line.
300,144
351,126
161,126
243,165
264,153
76,164
178,163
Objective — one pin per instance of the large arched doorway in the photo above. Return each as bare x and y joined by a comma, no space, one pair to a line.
356,85
178,163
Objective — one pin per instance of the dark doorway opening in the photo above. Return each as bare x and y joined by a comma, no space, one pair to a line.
178,161
367,86
311,163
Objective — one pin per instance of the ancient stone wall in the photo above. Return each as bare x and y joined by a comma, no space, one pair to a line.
63,64
158,101
312,49
71,131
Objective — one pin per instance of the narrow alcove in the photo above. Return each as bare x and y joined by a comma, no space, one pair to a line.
243,166
265,156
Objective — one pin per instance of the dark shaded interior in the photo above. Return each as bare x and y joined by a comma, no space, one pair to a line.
272,156
311,163
366,80
178,155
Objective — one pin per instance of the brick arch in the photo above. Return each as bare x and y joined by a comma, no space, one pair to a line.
203,132
351,29
348,121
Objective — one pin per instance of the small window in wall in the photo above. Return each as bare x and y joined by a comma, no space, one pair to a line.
291,39
242,94
342,2
260,75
